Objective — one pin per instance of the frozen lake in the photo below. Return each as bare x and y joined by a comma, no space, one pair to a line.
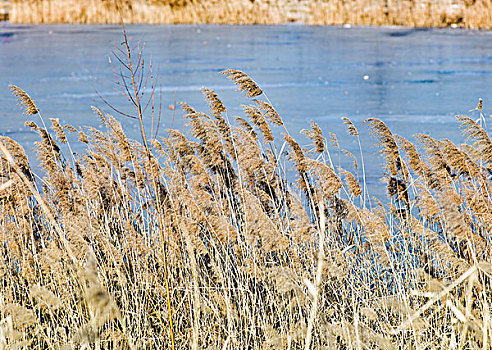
416,80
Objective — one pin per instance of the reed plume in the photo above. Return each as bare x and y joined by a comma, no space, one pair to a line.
24,100
481,139
316,135
388,146
352,183
351,129
270,112
258,119
244,82
58,129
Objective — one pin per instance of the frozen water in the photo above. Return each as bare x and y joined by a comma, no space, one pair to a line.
416,80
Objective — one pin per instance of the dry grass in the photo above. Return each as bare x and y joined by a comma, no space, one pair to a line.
417,13
203,229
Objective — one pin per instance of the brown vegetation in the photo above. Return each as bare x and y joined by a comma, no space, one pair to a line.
199,240
415,13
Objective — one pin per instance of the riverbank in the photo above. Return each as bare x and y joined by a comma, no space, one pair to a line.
416,13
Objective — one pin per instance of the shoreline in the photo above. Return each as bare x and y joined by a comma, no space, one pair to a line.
413,14
7,22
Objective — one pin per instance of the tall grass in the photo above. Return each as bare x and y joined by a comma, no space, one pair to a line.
200,240
419,13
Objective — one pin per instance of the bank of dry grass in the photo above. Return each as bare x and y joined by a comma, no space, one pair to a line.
199,240
419,13
153,12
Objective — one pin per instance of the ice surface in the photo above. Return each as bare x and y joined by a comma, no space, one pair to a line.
414,79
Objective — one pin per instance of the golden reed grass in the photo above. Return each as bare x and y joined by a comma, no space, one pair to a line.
200,240
416,13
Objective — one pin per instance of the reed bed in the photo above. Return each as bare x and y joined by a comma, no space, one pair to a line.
415,13
200,240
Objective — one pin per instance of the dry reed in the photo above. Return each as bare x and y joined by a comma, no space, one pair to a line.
246,259
418,13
